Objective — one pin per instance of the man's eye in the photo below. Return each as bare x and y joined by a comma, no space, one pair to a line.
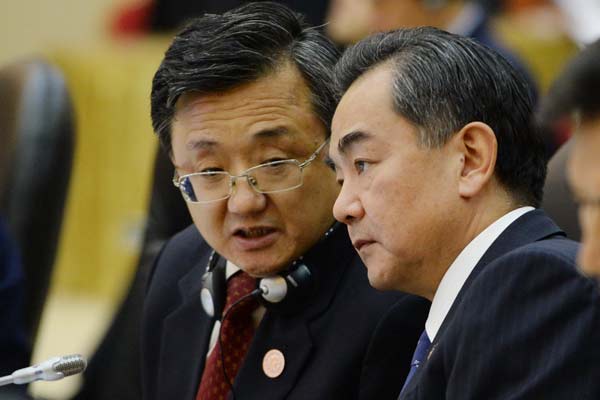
361,166
211,169
274,160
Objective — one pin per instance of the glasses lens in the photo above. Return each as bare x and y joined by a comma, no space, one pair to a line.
186,188
277,176
205,186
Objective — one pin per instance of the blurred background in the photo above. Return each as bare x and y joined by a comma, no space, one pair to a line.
79,172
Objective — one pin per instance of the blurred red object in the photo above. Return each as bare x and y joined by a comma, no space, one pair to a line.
134,19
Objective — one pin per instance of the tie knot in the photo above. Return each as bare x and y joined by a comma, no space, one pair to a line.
239,285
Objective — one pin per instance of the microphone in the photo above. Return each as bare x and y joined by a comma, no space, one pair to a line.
50,370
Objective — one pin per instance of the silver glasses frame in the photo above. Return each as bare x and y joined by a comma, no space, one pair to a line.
177,180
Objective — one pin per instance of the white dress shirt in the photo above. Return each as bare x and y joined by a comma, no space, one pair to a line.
456,276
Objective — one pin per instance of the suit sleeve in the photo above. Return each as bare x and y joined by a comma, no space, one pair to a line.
530,325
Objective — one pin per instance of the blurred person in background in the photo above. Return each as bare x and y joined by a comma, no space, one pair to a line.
171,14
351,20
575,99
242,103
462,17
159,16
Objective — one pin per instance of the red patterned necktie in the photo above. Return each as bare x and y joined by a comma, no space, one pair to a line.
236,333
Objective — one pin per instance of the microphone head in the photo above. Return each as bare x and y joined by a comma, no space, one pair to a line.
70,365
273,288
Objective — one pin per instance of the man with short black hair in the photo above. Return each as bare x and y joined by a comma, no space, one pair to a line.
243,102
575,99
441,171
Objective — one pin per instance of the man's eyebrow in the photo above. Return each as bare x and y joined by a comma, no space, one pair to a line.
351,139
273,132
204,144
209,144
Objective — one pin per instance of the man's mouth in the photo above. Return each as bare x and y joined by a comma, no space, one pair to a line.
359,244
253,233
255,238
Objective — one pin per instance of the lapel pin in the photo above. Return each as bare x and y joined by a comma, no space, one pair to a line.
273,363
431,351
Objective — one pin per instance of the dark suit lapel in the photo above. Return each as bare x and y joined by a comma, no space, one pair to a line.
290,334
286,335
530,227
185,337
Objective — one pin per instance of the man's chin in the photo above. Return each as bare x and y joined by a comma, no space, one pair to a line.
378,280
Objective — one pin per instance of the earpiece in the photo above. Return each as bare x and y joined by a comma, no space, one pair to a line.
283,293
214,286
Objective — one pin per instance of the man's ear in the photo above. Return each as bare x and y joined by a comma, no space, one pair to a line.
477,143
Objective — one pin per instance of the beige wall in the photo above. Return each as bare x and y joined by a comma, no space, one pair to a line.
31,26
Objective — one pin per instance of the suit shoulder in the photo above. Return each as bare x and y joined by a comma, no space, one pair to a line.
180,252
545,268
177,257
545,256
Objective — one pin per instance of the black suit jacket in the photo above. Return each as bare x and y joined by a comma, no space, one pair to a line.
339,346
524,326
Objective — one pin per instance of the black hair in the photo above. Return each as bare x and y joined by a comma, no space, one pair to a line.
215,53
442,81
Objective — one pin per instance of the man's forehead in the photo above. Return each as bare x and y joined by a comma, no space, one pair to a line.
284,85
369,94
276,134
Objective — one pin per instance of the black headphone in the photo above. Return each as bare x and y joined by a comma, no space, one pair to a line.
284,293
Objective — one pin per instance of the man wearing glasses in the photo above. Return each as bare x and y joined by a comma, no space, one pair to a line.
264,298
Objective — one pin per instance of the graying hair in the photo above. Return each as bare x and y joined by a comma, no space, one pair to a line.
215,53
441,82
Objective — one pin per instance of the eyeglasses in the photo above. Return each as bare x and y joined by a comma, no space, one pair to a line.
272,177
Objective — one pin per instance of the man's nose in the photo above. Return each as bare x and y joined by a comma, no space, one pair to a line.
347,206
244,198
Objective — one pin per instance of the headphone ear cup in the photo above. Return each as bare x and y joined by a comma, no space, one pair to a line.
214,289
284,293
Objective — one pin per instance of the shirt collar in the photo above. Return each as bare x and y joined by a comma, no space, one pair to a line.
456,276
230,269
